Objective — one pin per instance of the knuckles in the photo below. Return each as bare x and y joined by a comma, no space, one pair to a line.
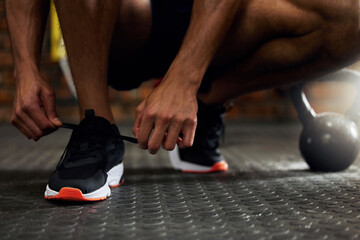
153,148
138,110
178,119
164,119
191,121
50,93
149,115
27,106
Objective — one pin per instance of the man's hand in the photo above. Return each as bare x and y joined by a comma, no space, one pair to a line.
34,112
169,110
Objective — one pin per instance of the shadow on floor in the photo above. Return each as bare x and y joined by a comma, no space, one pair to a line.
28,182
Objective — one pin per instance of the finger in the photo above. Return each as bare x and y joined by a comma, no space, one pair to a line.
158,135
138,117
145,128
48,102
188,131
22,128
136,127
26,122
172,135
179,139
38,117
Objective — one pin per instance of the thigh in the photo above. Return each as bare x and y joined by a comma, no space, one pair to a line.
146,40
127,65
268,24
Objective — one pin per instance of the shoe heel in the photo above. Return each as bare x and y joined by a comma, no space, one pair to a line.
115,175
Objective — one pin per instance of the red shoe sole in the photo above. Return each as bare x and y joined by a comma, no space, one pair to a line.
217,167
74,194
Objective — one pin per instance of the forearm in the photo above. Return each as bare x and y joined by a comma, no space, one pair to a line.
210,22
26,21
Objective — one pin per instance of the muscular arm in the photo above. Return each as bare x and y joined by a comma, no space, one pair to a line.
34,111
210,22
171,108
26,20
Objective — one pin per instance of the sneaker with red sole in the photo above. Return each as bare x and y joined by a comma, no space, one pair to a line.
91,163
204,156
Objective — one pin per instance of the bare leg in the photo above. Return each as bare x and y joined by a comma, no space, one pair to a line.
268,45
88,27
305,47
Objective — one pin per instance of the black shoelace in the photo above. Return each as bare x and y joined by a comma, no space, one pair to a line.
122,137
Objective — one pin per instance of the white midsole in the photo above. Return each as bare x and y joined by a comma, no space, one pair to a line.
182,165
114,177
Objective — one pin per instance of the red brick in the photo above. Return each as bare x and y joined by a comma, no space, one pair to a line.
113,95
8,78
6,96
6,59
7,42
258,96
2,8
3,24
63,94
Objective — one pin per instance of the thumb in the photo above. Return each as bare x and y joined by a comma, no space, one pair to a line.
48,102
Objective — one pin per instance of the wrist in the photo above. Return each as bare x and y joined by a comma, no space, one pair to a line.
185,76
183,80
25,68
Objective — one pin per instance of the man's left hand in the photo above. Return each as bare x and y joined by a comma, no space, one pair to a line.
169,110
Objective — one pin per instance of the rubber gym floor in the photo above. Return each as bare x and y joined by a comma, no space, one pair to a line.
268,193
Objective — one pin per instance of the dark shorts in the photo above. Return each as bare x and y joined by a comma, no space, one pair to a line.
170,21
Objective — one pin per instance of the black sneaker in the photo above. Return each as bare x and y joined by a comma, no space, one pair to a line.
204,155
90,164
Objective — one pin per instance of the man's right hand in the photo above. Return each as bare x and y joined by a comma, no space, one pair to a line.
34,112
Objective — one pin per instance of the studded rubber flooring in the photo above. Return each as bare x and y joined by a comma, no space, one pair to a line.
267,194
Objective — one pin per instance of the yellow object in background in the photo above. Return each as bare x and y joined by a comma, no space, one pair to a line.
57,45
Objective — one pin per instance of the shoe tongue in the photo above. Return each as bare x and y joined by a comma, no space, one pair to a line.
94,122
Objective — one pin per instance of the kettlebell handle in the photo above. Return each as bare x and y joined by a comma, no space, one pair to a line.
303,107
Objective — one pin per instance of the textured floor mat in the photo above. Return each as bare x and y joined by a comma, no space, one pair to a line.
267,194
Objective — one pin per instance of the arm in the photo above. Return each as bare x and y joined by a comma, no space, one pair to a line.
34,111
210,22
171,108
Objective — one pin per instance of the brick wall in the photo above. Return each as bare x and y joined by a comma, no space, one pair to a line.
6,83
263,105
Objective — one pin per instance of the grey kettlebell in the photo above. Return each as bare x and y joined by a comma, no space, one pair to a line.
329,141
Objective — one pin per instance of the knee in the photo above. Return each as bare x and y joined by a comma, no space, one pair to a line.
343,49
